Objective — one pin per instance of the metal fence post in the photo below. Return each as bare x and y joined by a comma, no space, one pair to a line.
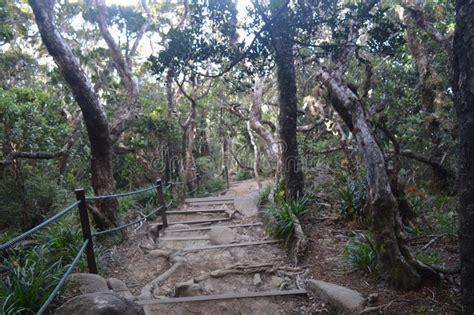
86,230
161,202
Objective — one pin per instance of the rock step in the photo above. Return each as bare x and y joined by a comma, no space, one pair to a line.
210,203
210,227
185,238
207,199
198,221
195,211
225,296
193,249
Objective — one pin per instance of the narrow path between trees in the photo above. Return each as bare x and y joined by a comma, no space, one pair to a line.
214,258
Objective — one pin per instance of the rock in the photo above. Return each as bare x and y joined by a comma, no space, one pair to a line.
341,299
82,283
257,280
220,235
373,298
119,287
188,288
247,205
157,253
103,303
277,281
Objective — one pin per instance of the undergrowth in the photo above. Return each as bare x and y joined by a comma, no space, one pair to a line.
353,197
264,195
31,270
283,223
359,252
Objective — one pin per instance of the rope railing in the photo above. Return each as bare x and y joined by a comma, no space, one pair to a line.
130,193
121,227
31,231
87,245
61,282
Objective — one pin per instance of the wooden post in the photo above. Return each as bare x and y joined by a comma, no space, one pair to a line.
161,202
226,176
86,230
197,184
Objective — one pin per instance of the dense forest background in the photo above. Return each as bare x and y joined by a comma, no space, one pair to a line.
346,105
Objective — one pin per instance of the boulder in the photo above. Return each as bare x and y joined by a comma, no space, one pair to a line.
118,286
103,303
220,235
341,299
82,283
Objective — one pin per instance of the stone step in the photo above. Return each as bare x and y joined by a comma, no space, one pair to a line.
195,211
193,249
207,199
210,203
225,296
210,227
199,221
185,238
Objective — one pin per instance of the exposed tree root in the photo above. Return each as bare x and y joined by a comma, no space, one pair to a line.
301,242
147,291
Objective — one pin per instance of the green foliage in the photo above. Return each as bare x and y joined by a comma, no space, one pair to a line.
283,223
61,241
31,272
243,174
212,185
446,222
264,194
360,252
430,258
353,197
28,281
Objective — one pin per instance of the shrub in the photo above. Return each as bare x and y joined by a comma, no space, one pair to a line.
213,184
360,253
264,194
353,197
283,223
243,175
28,281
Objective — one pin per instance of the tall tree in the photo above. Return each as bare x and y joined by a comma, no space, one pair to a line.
463,83
281,34
94,116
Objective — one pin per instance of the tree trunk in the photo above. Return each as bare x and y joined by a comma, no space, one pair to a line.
463,83
92,112
282,42
272,147
433,101
399,267
189,168
256,155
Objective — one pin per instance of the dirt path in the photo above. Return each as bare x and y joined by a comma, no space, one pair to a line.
183,262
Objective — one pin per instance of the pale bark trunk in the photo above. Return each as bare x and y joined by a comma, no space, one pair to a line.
189,169
256,155
123,65
92,112
272,146
463,83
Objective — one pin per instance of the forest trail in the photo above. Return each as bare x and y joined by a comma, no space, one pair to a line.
199,268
